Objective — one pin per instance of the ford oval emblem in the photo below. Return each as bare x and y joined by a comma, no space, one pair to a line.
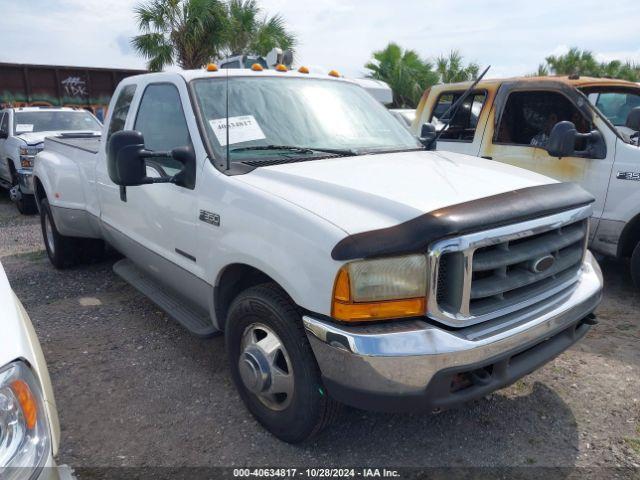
543,264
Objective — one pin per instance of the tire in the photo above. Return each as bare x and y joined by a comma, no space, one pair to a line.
27,205
61,250
264,311
635,265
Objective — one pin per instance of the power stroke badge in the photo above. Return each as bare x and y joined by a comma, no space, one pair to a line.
210,217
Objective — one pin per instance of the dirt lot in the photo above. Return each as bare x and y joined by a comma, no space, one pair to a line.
135,389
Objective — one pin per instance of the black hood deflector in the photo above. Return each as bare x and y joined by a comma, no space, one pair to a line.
505,208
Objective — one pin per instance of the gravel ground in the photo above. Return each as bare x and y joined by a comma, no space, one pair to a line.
135,389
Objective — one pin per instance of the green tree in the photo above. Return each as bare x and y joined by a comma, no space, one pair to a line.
248,33
404,71
191,33
583,62
451,68
574,62
186,32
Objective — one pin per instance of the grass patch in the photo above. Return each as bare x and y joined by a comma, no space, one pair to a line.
634,444
32,256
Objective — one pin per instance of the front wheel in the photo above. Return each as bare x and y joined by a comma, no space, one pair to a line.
273,366
27,205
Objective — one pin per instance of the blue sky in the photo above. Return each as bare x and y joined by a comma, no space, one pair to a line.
513,36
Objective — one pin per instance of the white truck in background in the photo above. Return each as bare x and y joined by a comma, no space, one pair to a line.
22,133
343,261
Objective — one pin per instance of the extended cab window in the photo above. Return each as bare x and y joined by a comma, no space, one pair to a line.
121,110
463,125
529,117
162,122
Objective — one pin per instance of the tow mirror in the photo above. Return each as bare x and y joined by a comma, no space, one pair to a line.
633,119
125,163
428,136
562,140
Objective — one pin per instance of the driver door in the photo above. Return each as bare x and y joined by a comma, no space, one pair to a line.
523,118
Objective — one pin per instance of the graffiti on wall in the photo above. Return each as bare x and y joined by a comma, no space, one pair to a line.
74,86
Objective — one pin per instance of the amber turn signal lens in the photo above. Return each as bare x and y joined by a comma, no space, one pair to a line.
303,70
281,68
27,402
334,73
212,67
344,309
256,67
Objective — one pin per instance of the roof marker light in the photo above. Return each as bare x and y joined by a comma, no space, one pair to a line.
282,68
256,67
212,67
303,69
334,73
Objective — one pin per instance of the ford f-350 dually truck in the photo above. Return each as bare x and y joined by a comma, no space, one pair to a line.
343,262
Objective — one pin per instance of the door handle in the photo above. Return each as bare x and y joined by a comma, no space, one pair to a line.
486,157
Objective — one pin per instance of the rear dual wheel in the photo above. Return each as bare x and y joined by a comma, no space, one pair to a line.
273,366
64,251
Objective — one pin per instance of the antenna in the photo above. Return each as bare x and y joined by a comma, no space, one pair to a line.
227,117
453,109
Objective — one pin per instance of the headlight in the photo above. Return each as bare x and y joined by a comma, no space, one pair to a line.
27,155
25,441
379,289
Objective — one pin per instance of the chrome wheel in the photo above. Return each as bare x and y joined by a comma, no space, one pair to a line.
265,367
49,231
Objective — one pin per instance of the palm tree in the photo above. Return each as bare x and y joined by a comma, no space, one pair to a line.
574,62
247,33
405,72
191,33
451,69
186,32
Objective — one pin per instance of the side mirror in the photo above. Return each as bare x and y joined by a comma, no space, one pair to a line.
633,119
125,162
562,140
428,136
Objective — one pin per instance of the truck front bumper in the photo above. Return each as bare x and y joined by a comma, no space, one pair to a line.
414,365
25,180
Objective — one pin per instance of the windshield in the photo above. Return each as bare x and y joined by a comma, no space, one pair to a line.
295,112
49,121
615,104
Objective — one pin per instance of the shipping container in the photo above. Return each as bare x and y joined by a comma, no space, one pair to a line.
60,86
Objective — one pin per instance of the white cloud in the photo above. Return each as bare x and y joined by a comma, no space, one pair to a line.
512,36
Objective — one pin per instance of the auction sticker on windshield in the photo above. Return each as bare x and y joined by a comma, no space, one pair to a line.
244,128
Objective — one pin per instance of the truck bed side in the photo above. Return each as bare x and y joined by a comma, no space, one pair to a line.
64,172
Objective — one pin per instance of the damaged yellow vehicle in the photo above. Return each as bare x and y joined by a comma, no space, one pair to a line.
575,129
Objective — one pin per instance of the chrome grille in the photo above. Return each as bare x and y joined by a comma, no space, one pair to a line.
484,275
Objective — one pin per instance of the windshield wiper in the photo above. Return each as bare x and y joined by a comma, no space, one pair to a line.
292,148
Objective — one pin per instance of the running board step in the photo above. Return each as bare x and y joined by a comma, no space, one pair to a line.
196,322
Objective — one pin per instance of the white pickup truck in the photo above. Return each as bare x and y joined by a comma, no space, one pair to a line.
343,262
22,133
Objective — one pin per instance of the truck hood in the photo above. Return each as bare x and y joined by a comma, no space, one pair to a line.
370,192
34,138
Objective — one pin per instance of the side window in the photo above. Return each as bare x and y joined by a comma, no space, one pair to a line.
4,123
529,117
120,110
463,125
162,122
